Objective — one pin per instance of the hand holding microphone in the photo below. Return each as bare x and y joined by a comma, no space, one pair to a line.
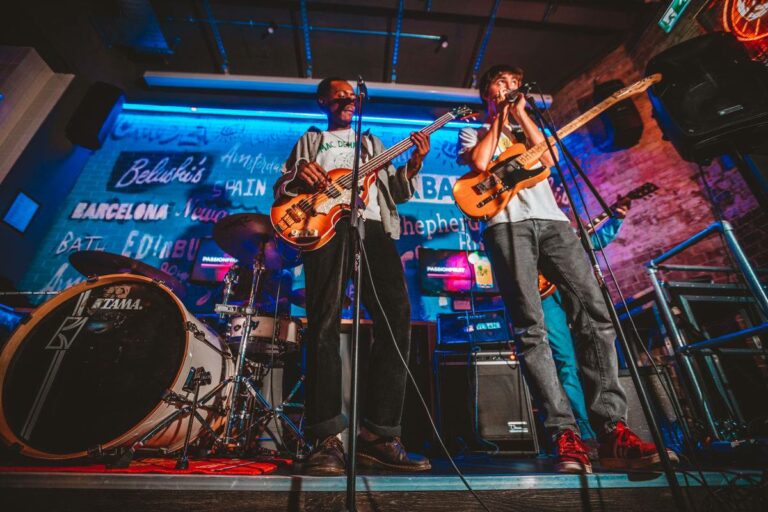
516,101
513,95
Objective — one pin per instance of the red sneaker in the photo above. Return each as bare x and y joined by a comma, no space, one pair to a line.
623,449
572,455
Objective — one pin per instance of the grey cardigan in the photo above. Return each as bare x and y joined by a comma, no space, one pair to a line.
393,184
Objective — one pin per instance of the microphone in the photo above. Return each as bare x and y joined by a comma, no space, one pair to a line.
362,88
511,96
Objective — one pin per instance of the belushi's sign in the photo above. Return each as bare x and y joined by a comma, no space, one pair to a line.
142,171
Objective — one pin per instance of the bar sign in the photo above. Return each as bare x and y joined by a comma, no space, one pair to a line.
672,14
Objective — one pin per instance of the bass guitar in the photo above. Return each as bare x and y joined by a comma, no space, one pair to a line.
308,221
546,288
482,195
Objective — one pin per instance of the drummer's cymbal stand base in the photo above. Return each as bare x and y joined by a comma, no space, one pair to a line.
267,412
123,457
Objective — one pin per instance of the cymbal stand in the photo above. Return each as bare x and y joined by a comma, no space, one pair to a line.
230,280
184,406
197,377
238,415
268,411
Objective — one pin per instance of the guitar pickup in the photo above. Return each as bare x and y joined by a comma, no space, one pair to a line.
304,235
486,184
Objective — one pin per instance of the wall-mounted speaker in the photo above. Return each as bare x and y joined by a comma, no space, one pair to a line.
95,116
712,97
620,127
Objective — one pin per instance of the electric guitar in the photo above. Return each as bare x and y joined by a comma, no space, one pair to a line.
307,221
481,195
546,288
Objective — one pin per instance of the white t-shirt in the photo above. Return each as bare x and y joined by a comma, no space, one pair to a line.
337,151
537,202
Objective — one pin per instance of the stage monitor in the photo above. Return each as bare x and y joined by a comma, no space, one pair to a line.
211,263
455,272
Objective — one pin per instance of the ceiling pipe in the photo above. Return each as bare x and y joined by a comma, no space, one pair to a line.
396,45
305,33
217,37
312,28
484,44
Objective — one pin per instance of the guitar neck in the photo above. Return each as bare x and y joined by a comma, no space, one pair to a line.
534,153
383,158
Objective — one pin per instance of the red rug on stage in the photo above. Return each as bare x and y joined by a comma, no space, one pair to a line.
166,466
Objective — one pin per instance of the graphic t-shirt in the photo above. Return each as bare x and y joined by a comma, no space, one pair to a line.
337,151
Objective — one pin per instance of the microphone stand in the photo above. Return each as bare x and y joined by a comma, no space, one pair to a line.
357,234
642,392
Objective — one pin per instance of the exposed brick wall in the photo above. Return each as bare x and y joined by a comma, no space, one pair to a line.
681,208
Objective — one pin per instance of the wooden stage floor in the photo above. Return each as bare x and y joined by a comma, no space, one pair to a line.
504,485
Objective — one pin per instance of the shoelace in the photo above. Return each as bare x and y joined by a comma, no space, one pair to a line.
567,443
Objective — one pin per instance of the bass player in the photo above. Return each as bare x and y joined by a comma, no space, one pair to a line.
327,271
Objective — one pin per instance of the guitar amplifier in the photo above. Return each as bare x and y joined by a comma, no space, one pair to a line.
483,403
481,327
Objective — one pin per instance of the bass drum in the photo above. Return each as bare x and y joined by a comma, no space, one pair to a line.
90,369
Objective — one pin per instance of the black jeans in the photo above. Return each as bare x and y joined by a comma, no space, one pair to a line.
517,250
327,271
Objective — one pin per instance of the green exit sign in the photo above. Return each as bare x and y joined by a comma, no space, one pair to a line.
672,14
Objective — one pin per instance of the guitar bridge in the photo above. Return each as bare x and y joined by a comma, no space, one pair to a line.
304,235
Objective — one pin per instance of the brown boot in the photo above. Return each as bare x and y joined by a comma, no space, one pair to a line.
327,459
389,453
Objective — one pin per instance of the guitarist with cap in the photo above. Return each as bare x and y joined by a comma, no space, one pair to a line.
327,270
532,233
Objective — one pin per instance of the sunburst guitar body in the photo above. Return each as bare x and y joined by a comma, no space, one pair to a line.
307,221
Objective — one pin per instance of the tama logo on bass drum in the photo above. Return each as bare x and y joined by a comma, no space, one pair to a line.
117,304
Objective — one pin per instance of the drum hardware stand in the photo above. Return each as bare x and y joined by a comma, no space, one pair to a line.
196,378
267,411
258,269
186,406
230,280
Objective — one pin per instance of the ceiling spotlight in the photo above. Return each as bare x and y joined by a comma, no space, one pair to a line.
270,30
442,43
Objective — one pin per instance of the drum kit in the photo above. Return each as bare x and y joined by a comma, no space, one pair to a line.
117,363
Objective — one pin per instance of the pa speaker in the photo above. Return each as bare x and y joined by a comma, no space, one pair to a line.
619,127
712,97
95,116
484,402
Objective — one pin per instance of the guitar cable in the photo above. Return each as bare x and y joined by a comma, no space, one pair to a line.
416,387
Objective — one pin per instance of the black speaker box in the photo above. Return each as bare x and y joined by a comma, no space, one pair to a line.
712,97
484,403
95,116
619,127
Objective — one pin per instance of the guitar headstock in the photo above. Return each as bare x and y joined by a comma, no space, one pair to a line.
643,190
637,87
463,113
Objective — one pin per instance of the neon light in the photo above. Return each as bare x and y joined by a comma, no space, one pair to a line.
214,111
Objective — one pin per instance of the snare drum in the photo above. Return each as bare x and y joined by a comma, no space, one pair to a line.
89,370
284,331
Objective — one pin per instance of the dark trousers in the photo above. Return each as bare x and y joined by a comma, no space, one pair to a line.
327,271
517,250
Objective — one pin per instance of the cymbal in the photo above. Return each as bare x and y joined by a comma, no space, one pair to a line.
244,235
99,263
